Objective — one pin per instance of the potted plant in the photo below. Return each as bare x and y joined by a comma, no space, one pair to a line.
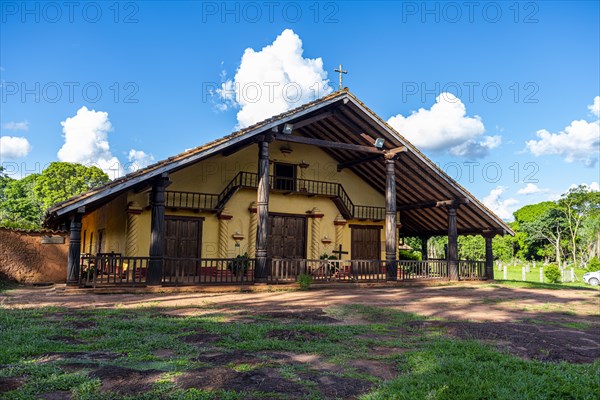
239,265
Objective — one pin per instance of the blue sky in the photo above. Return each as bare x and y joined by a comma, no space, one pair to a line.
495,73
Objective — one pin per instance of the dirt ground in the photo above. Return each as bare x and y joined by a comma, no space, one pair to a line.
542,324
522,320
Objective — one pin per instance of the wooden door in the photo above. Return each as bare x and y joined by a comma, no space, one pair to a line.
183,240
366,242
286,236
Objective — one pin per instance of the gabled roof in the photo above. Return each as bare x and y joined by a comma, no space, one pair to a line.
338,117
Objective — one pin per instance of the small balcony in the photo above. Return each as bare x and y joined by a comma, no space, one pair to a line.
214,202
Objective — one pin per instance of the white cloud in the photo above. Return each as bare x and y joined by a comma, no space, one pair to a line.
273,80
446,126
14,147
580,141
476,149
86,141
501,207
531,188
593,187
595,107
16,126
139,159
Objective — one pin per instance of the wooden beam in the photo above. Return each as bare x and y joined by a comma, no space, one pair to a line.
308,121
432,204
357,161
452,203
393,152
326,143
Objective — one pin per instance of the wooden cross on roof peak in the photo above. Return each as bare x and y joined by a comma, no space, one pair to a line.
341,71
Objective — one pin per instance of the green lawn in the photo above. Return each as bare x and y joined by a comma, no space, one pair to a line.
514,274
60,351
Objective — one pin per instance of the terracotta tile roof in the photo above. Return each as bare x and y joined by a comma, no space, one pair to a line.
124,183
194,151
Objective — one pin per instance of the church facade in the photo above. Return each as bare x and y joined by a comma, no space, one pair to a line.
325,189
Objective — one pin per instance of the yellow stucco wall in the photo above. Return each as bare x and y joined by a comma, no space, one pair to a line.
111,221
212,175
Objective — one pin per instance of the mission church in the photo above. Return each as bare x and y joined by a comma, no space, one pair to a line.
326,189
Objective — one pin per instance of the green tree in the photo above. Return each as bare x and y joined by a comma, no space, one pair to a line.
19,207
577,205
25,201
504,247
550,227
530,247
62,180
471,247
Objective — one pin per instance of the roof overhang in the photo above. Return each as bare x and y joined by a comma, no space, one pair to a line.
423,189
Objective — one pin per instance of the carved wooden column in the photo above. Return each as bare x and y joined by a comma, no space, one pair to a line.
424,251
315,233
391,242
157,230
252,231
339,222
74,257
489,256
224,218
452,244
262,208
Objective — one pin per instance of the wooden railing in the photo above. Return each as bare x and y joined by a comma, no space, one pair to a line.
249,180
369,212
288,270
426,269
112,269
193,271
191,200
471,270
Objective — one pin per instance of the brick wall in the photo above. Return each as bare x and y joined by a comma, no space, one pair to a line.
33,257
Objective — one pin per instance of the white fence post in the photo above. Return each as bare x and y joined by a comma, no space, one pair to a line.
572,274
505,272
523,274
541,274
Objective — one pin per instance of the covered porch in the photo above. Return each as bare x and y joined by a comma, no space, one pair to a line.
111,269
417,200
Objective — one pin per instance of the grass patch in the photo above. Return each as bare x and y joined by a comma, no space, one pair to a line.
36,344
495,300
532,279
574,324
450,369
